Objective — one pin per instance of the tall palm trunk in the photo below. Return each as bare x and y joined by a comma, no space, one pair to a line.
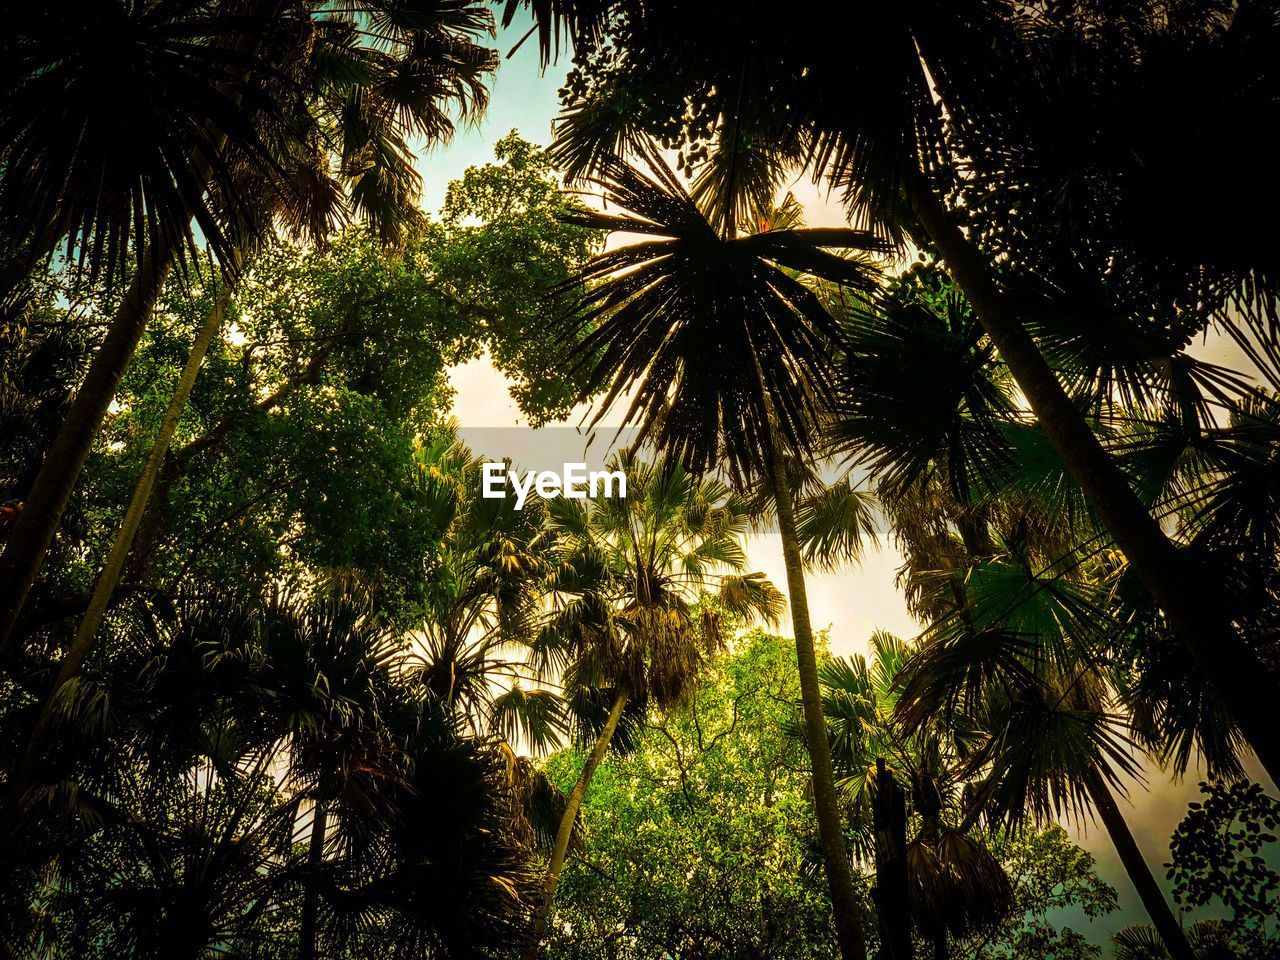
563,833
21,776
311,898
1166,924
33,533
1238,677
893,891
826,801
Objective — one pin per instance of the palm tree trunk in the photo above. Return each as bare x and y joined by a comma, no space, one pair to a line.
940,945
31,536
826,802
1166,924
311,898
110,575
1238,677
893,892
20,779
565,831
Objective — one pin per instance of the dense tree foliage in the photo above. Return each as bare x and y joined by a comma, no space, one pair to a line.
219,716
299,447
1224,852
701,843
280,679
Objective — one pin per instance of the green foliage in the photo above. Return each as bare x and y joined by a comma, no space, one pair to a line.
510,249
316,451
921,386
700,842
1050,876
174,811
1225,850
629,576
229,701
301,448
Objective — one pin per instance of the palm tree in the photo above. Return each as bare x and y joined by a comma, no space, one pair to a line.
325,670
89,156
488,585
631,625
943,881
1012,657
658,307
306,199
187,865
968,486
928,96
1054,749
355,92
1003,564
487,588
1211,939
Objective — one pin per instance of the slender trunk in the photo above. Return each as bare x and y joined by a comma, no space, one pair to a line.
311,898
104,589
565,831
826,801
176,464
940,945
1238,677
33,533
110,575
893,891
1166,924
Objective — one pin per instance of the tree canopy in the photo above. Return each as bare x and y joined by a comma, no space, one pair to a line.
284,677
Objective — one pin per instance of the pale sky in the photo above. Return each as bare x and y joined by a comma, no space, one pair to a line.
850,603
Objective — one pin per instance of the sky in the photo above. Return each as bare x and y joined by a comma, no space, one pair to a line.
849,603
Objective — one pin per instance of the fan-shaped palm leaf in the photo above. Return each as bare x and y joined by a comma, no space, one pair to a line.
660,306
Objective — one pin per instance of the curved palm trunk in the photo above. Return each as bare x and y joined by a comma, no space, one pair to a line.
1245,685
1166,924
893,892
33,533
20,778
564,832
311,899
826,802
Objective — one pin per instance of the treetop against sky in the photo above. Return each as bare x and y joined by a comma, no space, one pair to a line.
663,480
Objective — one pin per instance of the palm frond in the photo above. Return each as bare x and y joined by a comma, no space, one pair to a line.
655,308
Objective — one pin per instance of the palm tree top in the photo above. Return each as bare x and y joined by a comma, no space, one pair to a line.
638,580
715,336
